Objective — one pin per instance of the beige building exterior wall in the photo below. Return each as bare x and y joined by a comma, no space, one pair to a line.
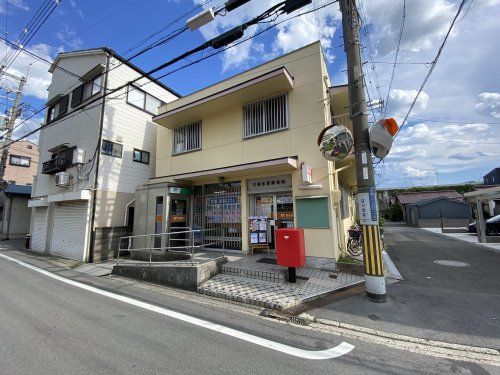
19,174
223,144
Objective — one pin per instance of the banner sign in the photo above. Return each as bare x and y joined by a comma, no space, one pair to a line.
367,205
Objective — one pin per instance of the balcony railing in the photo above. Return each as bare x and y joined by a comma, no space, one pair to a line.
55,165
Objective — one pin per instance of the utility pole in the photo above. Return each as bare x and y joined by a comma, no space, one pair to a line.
367,202
14,112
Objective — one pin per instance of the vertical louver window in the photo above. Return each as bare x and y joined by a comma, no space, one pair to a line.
265,116
187,138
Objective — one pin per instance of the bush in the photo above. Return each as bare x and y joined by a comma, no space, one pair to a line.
395,213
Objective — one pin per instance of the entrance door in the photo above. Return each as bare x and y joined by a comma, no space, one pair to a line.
278,208
178,221
284,211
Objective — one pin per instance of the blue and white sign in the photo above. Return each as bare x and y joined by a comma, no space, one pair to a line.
367,205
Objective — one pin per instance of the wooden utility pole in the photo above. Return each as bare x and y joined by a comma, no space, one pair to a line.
367,202
11,119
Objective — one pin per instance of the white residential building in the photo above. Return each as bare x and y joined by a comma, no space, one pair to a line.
93,156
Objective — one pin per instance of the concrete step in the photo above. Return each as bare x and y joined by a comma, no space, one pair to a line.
254,270
267,294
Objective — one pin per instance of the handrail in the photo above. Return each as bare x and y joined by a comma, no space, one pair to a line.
189,248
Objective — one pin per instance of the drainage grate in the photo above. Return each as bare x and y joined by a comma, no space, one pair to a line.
298,320
451,263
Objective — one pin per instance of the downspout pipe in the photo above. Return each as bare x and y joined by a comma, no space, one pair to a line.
98,158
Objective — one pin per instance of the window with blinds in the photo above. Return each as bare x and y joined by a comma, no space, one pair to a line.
265,116
187,138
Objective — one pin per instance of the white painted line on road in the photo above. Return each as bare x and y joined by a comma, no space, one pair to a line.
335,352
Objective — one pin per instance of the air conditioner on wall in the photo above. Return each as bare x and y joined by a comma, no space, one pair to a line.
62,179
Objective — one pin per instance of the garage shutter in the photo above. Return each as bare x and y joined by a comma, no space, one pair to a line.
39,229
69,231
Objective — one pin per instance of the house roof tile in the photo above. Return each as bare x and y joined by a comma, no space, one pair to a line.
409,198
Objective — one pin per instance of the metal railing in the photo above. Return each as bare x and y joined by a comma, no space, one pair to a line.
168,242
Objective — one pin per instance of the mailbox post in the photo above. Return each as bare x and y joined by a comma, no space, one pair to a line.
290,250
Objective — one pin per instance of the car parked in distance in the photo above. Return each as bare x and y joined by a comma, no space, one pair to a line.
492,226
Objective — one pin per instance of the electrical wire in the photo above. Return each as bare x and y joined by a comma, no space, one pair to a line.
400,36
43,13
106,97
433,66
161,41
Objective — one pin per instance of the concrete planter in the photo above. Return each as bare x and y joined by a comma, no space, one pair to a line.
179,275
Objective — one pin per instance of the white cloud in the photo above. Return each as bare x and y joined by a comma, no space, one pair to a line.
400,101
423,150
77,10
296,33
489,104
69,37
6,6
26,127
36,71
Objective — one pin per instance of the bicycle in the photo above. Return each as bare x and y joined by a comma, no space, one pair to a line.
355,241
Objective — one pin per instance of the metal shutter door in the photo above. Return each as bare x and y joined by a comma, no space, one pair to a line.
69,231
39,234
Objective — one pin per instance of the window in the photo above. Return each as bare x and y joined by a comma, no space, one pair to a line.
112,149
265,116
143,100
58,109
187,138
141,156
30,147
87,90
21,161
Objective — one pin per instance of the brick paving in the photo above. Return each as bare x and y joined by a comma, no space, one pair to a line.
261,284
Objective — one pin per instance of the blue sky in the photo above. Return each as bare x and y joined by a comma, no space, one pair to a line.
452,135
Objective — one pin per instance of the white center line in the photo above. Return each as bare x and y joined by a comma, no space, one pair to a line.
339,350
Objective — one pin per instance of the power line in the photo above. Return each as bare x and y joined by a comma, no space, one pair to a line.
158,43
106,95
448,121
163,41
40,17
400,36
433,65
166,27
371,53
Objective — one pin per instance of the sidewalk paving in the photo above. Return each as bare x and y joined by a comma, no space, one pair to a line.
435,301
467,237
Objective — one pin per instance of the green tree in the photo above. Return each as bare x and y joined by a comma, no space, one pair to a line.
396,212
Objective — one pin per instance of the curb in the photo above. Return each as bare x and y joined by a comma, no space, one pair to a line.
413,344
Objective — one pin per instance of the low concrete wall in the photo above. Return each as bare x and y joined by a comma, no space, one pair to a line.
455,230
184,276
436,223
106,242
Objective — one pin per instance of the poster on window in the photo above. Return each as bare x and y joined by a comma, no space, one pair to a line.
257,228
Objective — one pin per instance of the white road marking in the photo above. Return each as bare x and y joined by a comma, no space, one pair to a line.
335,352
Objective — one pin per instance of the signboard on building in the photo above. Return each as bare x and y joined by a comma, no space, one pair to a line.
306,174
367,205
180,190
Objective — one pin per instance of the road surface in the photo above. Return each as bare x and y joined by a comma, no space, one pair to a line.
48,326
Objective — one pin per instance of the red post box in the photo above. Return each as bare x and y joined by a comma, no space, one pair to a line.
290,249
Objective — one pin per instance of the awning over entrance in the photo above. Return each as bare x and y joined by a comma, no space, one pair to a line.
191,108
286,164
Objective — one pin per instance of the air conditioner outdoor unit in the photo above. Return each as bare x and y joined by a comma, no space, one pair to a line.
62,179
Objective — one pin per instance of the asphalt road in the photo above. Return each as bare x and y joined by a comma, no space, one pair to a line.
49,327
435,301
